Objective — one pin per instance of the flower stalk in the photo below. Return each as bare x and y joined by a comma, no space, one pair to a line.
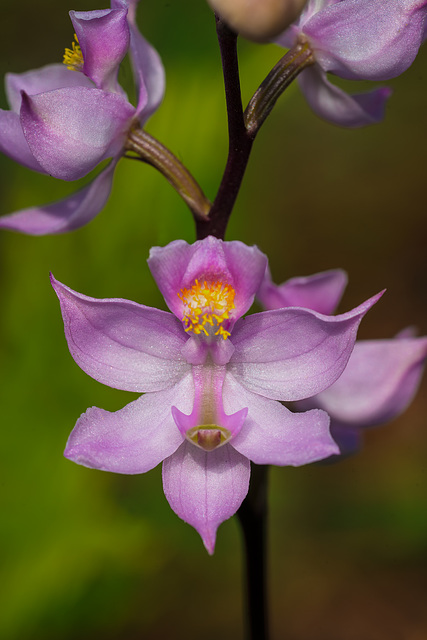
243,126
280,77
253,519
154,153
240,144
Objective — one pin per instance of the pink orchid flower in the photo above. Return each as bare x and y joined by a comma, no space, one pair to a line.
65,120
212,379
356,40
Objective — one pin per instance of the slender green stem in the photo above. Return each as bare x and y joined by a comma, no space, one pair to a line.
279,78
151,151
253,519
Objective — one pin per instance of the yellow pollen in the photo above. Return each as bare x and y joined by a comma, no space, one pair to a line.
73,57
207,304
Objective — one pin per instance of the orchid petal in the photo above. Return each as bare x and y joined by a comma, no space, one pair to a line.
13,142
205,488
407,332
147,66
104,40
271,434
361,39
291,354
179,264
134,439
70,131
348,438
121,343
247,266
335,105
149,74
65,215
48,78
288,37
320,292
378,383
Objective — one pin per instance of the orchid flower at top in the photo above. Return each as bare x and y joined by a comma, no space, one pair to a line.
212,379
356,40
381,377
67,118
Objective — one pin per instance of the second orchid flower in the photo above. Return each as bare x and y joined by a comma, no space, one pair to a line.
65,120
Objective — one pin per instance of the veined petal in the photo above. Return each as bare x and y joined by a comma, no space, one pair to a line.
65,215
13,142
312,7
134,439
362,39
335,105
247,266
320,292
147,65
121,343
289,37
205,488
130,5
48,78
69,131
179,264
291,354
378,383
271,434
149,74
104,40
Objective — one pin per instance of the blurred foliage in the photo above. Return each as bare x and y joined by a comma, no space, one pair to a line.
93,555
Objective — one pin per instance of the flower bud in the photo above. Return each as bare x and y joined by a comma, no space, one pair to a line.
259,20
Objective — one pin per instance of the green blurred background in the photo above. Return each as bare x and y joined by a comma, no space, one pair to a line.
89,554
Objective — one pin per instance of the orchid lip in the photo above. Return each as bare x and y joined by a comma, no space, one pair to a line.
208,436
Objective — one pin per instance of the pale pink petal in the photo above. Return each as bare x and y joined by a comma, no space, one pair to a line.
320,292
121,343
69,131
367,39
65,215
134,439
349,439
335,105
271,434
146,63
104,40
205,488
379,382
13,142
247,266
48,78
179,264
291,354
